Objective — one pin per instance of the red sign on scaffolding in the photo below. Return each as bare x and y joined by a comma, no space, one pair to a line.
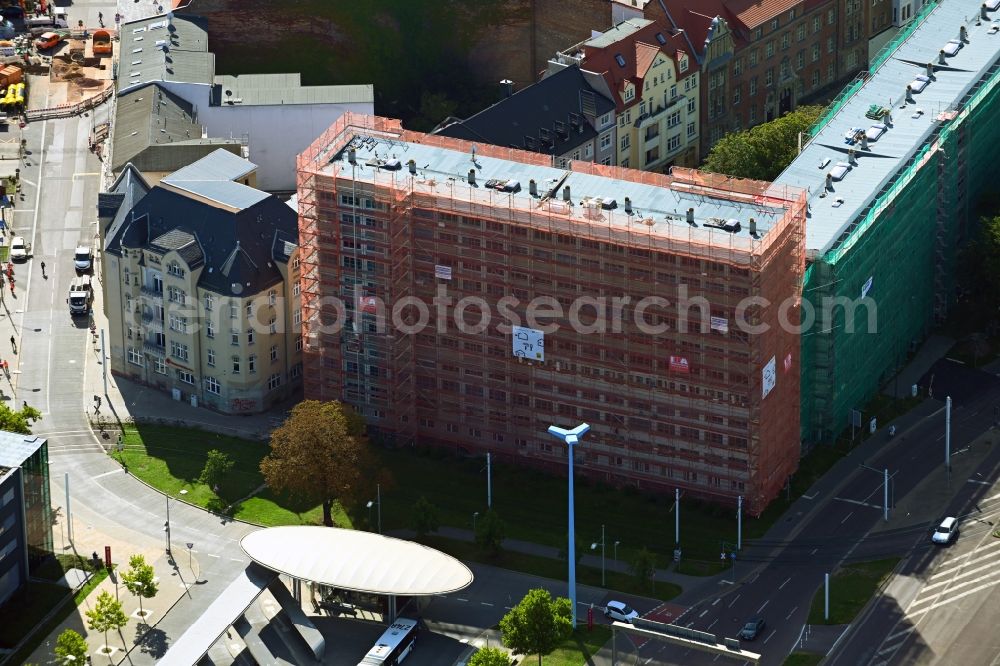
679,364
368,304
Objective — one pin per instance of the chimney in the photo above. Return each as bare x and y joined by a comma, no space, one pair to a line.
566,194
909,94
690,216
983,12
628,206
533,188
753,227
963,34
850,157
412,166
352,156
829,181
472,176
506,88
941,57
930,70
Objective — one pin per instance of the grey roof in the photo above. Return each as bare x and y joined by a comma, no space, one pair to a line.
125,193
662,210
165,48
284,246
913,125
150,115
617,33
212,178
539,106
238,246
15,448
277,89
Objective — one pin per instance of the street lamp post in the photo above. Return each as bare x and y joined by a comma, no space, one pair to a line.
594,546
474,516
377,502
166,525
571,437
616,550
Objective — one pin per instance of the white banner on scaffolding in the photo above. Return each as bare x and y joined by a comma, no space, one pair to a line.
769,376
528,343
442,272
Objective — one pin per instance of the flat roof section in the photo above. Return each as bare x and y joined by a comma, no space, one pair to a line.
359,561
914,122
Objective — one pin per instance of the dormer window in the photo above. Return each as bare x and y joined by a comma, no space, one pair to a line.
682,62
629,94
660,38
620,59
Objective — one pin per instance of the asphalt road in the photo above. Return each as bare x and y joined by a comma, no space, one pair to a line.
831,524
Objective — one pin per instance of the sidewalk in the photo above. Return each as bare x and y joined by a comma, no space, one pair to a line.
11,319
174,579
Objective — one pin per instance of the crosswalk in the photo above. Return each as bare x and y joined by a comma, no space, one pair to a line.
958,577
67,442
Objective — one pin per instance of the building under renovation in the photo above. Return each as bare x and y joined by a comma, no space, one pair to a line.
893,172
468,297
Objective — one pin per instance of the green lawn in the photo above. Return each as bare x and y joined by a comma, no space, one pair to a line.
577,649
803,659
851,587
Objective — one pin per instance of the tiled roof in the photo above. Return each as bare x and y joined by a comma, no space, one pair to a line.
753,13
644,56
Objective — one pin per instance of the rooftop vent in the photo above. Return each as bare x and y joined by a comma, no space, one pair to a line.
628,206
753,227
732,226
620,59
567,196
472,176
412,166
690,217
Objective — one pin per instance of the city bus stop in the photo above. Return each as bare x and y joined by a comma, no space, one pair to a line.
327,557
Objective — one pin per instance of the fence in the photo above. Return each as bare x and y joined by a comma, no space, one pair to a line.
67,110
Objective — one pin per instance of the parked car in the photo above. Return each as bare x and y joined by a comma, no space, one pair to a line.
81,258
47,40
752,629
946,533
18,250
620,611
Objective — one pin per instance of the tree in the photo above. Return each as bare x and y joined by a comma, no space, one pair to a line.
319,454
489,656
537,624
106,615
490,533
643,566
979,265
762,152
18,421
217,466
139,579
425,517
71,644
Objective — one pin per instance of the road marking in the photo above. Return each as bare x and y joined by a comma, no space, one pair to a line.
954,598
486,603
703,613
759,610
956,563
114,471
963,575
213,555
713,623
953,586
858,502
773,632
461,599
235,559
810,497
982,483
814,551
716,601
733,601
86,174
791,613
785,583
901,632
846,517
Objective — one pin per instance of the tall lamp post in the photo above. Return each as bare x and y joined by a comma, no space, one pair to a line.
571,437
378,503
602,543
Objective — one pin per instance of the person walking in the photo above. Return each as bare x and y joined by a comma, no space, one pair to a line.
44,276
13,343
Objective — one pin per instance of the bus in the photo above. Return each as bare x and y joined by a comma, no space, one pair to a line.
394,645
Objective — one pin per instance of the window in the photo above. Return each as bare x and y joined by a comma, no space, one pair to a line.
252,363
185,376
178,323
829,72
753,57
769,76
250,337
758,33
298,344
234,311
691,105
736,95
674,142
753,86
175,269
236,365
674,119
774,24
770,48
249,309
211,357
626,142
784,69
691,130
160,366
629,94
176,295
829,44
738,67
128,303
673,92
816,23
272,297
815,52
785,41
209,302
605,141
297,317
296,289
815,78
274,324
134,356
800,33
212,385
642,112
605,120
274,381
234,338
179,351
210,329
274,353
830,17
753,114
620,59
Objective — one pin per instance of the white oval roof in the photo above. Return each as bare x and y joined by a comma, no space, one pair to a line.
353,560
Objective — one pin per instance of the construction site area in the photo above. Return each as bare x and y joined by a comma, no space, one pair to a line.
70,72
691,380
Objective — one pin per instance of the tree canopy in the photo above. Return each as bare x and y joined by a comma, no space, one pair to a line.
643,566
320,454
762,152
490,533
425,517
140,580
217,466
489,656
537,624
18,421
71,644
106,615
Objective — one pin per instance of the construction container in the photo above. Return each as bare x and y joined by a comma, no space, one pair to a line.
10,74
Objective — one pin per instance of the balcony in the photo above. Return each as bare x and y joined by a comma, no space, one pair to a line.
151,291
153,348
656,115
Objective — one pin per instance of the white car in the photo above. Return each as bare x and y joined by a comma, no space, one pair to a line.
18,250
946,532
620,612
81,258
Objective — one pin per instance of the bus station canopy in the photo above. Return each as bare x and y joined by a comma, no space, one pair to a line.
358,561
